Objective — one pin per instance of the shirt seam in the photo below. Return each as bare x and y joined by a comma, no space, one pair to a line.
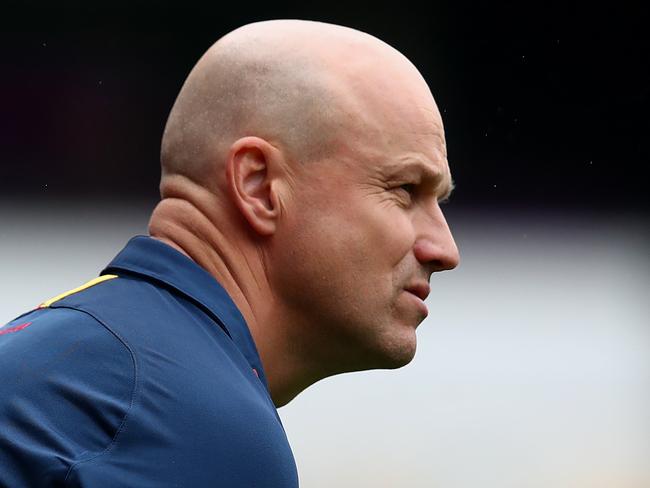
134,391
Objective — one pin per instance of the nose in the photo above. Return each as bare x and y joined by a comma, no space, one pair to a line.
435,247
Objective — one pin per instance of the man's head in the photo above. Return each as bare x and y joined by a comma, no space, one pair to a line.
325,153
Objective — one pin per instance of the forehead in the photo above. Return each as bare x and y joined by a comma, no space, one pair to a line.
392,125
415,168
413,151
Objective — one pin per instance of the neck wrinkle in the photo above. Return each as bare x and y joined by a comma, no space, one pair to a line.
182,224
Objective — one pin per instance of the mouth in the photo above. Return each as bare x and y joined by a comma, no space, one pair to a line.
420,290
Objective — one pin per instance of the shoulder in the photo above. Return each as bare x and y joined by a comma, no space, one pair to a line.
53,339
66,384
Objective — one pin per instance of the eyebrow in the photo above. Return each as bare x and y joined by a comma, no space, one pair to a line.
436,178
448,190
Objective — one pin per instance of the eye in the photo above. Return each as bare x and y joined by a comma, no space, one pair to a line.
408,188
406,192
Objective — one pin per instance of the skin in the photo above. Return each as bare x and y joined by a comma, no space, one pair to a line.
303,167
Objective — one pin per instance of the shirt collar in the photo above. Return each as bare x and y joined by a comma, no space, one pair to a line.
156,260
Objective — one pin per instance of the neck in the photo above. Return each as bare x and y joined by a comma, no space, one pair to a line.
190,226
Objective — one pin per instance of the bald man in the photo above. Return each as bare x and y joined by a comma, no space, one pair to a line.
303,165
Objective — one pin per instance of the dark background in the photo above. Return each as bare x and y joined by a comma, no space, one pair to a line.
545,106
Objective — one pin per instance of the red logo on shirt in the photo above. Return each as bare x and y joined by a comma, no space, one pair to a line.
15,328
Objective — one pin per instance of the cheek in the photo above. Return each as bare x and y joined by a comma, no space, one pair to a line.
398,235
365,233
348,244
381,232
313,270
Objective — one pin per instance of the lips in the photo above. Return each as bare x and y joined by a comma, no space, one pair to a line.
420,290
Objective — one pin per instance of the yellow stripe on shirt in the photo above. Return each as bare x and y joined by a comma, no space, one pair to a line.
76,290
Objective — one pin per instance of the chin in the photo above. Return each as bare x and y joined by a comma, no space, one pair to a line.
399,360
381,346
397,353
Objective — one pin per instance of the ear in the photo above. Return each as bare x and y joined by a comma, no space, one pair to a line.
251,167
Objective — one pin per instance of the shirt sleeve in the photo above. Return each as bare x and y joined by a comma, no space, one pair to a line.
66,385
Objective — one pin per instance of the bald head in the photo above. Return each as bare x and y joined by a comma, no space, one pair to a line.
302,86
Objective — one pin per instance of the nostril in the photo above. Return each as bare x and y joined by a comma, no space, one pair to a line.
425,251
437,257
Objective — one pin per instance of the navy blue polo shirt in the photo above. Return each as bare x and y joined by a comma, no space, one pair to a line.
145,377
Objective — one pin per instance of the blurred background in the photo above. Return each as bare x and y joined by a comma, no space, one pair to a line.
533,368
